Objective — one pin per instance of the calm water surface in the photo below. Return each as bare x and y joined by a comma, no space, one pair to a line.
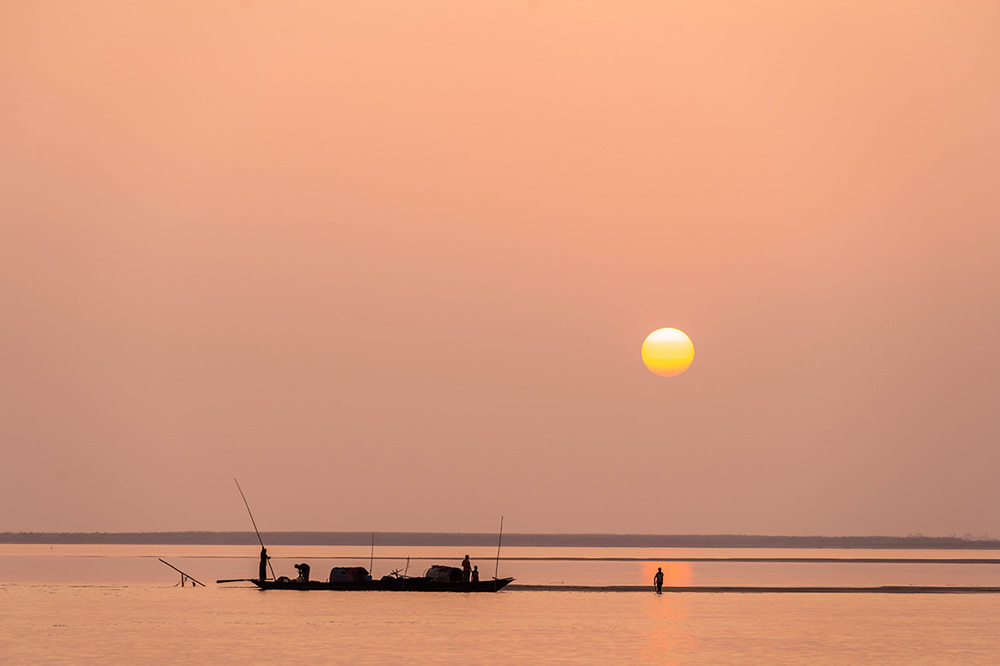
118,604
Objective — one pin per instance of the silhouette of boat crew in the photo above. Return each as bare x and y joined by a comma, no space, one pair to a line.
303,570
466,569
264,557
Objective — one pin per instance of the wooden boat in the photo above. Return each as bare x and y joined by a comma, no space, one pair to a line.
436,579
387,584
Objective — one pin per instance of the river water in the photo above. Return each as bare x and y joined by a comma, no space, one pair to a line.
118,604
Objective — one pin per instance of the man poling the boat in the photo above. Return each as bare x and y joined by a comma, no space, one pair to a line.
264,557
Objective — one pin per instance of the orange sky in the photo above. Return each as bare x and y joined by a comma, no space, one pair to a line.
391,265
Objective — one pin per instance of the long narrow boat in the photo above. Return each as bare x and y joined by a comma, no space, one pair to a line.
388,584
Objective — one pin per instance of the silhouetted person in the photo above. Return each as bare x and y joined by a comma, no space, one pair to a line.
262,573
658,580
466,569
303,570
475,574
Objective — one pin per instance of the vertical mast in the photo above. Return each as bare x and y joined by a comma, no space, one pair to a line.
499,541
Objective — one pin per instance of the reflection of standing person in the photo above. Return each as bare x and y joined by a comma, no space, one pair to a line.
658,580
466,569
262,573
475,574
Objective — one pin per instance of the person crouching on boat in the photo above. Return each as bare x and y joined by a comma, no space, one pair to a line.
475,574
303,570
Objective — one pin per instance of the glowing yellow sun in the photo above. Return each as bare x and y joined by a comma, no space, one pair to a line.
667,352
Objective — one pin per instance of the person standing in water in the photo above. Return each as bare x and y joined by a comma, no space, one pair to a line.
658,580
262,573
466,569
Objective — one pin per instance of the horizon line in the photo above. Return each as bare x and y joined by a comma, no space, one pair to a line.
541,539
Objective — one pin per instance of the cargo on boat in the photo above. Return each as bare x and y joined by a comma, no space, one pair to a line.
391,583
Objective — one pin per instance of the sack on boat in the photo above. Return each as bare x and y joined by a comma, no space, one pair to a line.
348,574
444,574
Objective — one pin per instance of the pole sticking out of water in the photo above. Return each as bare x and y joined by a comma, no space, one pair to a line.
371,562
254,525
499,541
184,576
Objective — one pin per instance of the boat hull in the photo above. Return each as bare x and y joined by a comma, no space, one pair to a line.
388,585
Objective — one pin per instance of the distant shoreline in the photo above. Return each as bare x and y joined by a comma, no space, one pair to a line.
509,540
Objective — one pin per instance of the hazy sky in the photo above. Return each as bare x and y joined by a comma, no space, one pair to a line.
391,264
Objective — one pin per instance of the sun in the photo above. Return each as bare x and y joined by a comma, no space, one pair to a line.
667,352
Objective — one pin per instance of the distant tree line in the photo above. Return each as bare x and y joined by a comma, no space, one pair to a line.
514,540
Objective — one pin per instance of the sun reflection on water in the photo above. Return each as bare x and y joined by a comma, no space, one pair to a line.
675,574
667,638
